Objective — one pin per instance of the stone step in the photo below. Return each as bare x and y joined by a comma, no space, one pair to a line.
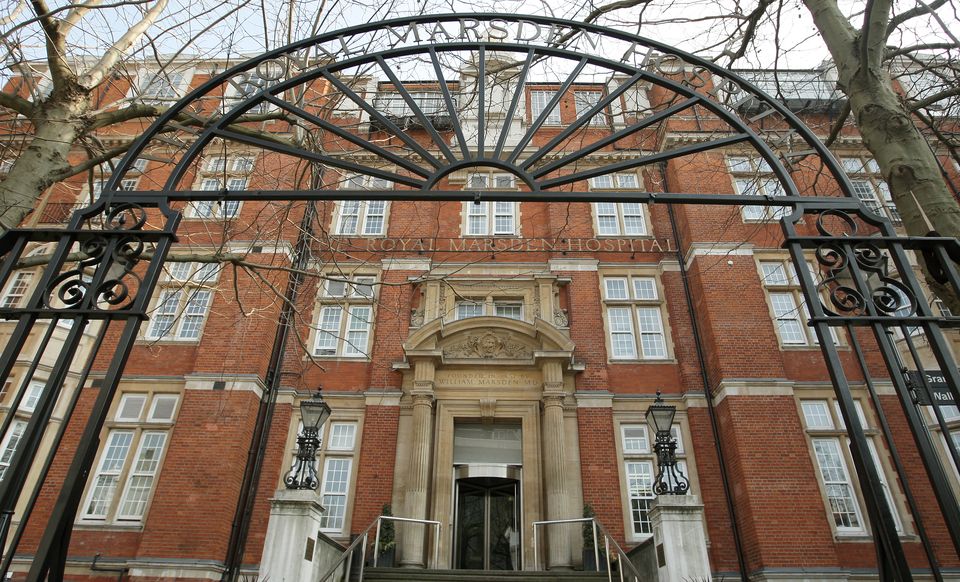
410,575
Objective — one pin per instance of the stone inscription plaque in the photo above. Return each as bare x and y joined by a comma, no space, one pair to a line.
487,379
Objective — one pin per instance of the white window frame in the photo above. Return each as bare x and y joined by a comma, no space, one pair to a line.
870,187
333,448
8,447
187,314
634,321
236,92
217,209
539,99
643,457
173,85
17,290
366,218
488,306
753,176
582,104
823,424
484,218
614,218
786,302
343,325
129,469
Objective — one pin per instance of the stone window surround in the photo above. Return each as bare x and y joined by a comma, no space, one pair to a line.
139,427
323,300
342,412
793,287
632,412
537,294
865,410
629,274
186,289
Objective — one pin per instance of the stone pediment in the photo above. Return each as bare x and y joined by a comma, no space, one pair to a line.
489,339
487,344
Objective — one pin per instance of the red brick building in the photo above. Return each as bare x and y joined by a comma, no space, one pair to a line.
488,362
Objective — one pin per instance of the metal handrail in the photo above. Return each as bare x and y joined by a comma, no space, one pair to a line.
622,557
362,539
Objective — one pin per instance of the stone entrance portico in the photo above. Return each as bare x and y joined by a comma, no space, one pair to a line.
489,370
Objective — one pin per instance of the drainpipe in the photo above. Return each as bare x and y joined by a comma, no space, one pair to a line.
705,378
261,433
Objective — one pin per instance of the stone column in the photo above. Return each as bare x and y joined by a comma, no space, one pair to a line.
411,538
559,548
680,540
289,550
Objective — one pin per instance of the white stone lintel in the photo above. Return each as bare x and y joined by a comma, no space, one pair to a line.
389,264
574,264
598,399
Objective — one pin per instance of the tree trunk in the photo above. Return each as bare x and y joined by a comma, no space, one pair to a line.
57,127
903,153
908,163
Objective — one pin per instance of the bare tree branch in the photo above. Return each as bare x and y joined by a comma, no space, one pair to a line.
898,20
96,74
16,103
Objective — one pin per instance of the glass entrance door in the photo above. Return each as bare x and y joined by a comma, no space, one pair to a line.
487,530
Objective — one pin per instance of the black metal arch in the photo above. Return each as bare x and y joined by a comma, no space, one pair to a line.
103,290
423,173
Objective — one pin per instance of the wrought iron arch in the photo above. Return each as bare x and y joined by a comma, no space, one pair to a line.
301,87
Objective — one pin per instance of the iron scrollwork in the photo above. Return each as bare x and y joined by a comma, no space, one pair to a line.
670,479
103,277
303,475
843,283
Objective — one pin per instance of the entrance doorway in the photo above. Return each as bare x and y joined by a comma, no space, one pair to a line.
487,526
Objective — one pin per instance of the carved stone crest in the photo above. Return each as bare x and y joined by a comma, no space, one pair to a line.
488,345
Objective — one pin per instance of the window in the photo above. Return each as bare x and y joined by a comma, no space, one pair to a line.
753,177
5,166
139,165
538,102
345,318
245,86
788,309
215,208
393,104
216,164
870,188
362,217
183,302
338,445
9,445
512,309
356,217
585,101
639,473
623,218
32,396
831,453
634,320
242,164
622,181
126,185
11,440
130,460
490,218
16,291
161,86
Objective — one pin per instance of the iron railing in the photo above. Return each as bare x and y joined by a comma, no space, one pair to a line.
623,560
345,563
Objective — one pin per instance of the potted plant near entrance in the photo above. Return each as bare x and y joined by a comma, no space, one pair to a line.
388,543
589,555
